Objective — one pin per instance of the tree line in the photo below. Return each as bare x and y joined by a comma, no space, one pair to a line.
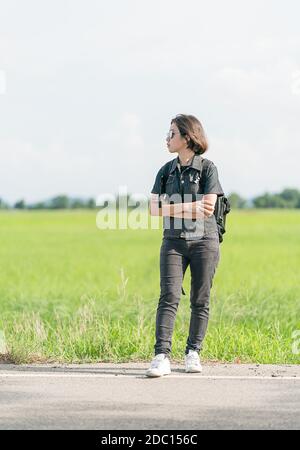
287,198
61,202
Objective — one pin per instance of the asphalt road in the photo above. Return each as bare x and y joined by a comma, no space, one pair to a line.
110,396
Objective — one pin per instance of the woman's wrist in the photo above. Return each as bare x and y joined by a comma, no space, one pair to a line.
187,207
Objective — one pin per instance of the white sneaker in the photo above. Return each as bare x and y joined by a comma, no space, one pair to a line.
160,365
192,362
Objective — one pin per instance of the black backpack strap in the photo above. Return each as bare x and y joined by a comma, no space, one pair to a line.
203,172
163,180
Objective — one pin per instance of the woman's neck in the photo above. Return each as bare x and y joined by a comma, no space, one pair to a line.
185,157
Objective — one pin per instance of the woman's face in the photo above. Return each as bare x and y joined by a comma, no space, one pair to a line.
175,141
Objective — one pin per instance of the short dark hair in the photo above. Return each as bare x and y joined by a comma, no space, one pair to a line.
189,126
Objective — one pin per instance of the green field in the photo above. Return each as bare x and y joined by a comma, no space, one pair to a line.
72,292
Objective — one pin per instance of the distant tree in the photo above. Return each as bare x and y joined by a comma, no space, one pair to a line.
39,205
288,198
262,201
63,202
20,204
59,202
291,197
3,204
76,203
91,203
236,201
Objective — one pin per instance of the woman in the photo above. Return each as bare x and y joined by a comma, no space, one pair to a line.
190,239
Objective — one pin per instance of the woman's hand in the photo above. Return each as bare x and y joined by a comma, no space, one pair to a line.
204,207
207,206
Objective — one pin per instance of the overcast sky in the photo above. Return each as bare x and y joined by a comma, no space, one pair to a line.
88,89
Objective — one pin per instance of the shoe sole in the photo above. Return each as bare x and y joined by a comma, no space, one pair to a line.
193,370
154,374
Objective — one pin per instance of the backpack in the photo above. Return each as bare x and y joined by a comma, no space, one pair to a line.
222,206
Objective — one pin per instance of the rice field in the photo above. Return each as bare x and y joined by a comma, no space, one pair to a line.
70,292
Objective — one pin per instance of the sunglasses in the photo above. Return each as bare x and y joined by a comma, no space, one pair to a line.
171,134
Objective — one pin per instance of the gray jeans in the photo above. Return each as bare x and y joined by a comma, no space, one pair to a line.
176,254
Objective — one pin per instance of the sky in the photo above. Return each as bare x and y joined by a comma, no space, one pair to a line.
88,90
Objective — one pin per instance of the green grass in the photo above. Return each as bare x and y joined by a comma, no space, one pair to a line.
70,292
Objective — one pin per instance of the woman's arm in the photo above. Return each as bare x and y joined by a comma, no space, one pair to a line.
192,210
206,204
165,210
